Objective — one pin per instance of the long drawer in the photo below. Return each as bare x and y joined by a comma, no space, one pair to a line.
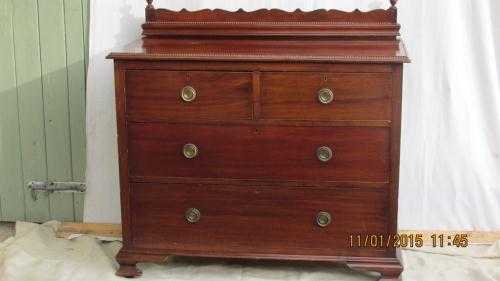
189,95
159,150
222,219
326,96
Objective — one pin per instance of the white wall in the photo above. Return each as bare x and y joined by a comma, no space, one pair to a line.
450,162
450,166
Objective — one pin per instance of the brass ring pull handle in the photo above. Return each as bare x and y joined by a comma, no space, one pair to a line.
325,96
323,219
324,154
188,94
192,215
190,151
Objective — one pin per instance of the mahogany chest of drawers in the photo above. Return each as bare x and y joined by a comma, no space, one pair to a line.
260,135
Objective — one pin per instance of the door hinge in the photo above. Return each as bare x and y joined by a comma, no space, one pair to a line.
51,186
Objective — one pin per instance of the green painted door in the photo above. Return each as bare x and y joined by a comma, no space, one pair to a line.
43,47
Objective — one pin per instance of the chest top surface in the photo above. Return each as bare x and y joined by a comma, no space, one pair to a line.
269,35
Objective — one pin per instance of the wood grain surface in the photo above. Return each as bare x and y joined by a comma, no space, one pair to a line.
294,96
260,220
259,152
257,125
219,95
68,229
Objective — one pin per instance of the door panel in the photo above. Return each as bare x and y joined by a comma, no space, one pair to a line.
42,134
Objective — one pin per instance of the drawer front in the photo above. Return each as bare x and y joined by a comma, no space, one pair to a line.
214,95
257,220
255,152
330,96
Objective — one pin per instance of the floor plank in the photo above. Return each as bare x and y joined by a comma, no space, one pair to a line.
31,105
56,104
114,230
7,230
11,178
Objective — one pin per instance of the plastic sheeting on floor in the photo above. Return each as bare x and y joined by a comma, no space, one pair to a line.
34,253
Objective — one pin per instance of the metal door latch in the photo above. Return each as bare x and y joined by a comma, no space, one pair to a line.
50,187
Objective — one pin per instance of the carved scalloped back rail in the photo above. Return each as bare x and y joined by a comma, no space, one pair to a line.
275,15
331,24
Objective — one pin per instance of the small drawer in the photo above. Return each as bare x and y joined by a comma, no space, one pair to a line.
188,95
256,152
222,219
326,97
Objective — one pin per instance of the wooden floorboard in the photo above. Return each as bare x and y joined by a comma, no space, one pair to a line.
114,231
95,229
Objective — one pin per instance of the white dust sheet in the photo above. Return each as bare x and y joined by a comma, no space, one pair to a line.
34,253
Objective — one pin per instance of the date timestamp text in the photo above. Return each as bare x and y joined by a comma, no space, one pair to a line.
408,240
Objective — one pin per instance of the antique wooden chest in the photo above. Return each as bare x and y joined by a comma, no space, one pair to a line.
261,135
